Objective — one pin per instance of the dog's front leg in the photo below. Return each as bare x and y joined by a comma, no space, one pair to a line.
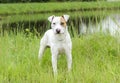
54,60
69,59
54,64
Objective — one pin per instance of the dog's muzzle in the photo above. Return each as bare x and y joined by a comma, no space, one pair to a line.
58,31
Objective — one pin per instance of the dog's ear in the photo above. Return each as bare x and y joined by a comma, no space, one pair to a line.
51,18
66,17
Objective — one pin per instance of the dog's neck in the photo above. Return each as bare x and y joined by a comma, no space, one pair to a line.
60,37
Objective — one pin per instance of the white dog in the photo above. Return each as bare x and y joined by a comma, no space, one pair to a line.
58,39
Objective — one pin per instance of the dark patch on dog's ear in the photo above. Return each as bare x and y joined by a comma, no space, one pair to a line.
63,22
66,17
63,18
51,18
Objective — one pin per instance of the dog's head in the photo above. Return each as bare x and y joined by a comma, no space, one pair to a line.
59,23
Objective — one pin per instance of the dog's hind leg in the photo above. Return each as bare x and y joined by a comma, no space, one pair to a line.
41,51
42,48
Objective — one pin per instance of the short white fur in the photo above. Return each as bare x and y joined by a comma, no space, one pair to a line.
58,42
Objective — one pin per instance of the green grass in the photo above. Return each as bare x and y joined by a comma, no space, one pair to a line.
96,59
30,8
10,13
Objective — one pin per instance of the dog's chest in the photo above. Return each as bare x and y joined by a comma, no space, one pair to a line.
59,42
60,46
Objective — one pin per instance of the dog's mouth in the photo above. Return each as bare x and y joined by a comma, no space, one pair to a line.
59,33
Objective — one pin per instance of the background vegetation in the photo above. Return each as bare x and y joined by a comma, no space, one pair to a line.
33,8
23,1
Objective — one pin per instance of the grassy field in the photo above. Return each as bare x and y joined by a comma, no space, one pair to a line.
30,8
96,59
10,13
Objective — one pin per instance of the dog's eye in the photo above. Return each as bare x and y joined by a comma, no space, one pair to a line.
54,23
62,23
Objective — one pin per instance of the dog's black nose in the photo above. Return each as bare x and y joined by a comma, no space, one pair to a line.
58,31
